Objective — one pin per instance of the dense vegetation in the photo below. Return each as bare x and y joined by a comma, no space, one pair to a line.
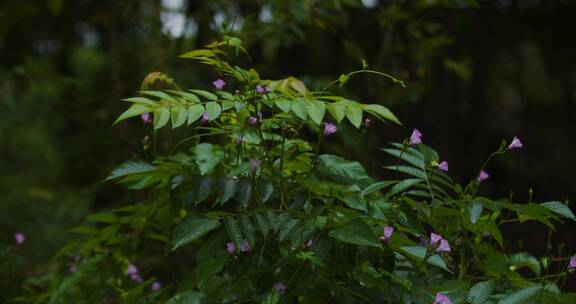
289,167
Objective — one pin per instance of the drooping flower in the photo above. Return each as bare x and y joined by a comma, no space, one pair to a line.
444,246
204,119
230,247
367,122
156,286
132,269
443,166
435,238
388,230
442,299
329,128
280,287
483,176
244,247
261,89
254,164
219,84
254,120
572,264
20,238
515,144
416,137
146,119
309,243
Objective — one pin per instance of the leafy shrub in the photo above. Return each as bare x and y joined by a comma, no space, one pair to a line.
245,209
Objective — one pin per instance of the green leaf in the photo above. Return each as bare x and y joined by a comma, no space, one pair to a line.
523,259
161,117
262,224
226,189
381,112
415,159
107,218
287,228
283,104
355,232
195,112
207,157
354,115
481,292
248,229
143,101
179,115
338,111
420,253
408,170
559,208
192,229
234,231
299,108
475,211
336,165
403,185
244,194
206,94
316,110
134,110
521,296
377,187
131,167
213,109
343,79
186,95
159,94
189,297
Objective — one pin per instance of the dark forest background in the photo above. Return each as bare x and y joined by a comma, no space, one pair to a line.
476,72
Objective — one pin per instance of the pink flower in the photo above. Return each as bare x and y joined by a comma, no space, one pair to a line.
416,137
204,119
255,120
244,247
73,268
280,287
132,269
156,286
515,144
442,299
254,164
136,278
572,264
309,243
483,176
388,230
19,237
434,238
261,89
329,128
230,247
443,166
444,246
146,119
218,84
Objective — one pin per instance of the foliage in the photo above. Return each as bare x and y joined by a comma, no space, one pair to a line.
246,208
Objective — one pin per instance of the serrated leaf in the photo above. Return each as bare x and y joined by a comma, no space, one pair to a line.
381,112
178,115
521,296
316,110
481,292
337,111
475,211
559,208
206,94
134,110
161,117
403,185
192,229
234,231
195,112
131,167
354,115
355,232
213,109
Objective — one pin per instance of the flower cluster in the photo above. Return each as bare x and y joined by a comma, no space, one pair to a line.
231,247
